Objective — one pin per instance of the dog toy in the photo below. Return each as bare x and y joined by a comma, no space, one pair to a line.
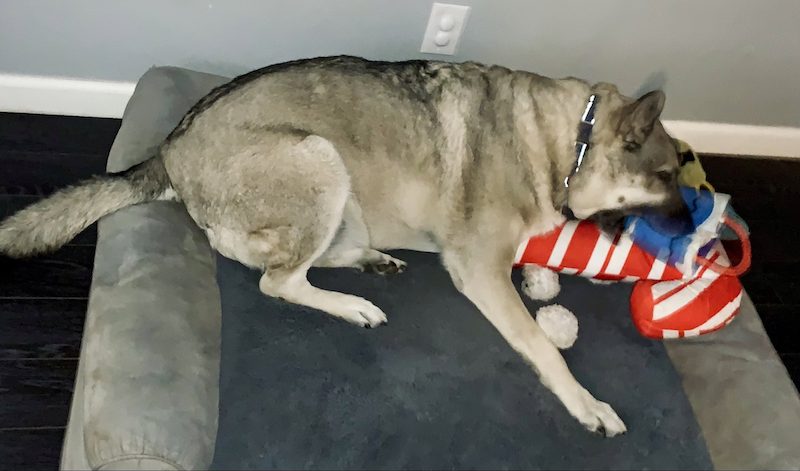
684,285
693,175
691,172
559,325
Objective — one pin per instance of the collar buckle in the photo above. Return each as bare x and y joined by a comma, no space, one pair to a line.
584,136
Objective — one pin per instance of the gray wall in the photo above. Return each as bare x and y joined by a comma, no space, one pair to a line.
719,60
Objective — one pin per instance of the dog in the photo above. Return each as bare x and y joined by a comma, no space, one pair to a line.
330,161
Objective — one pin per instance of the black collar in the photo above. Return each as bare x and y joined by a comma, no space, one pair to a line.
584,136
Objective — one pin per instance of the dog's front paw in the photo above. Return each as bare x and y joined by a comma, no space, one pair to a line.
360,312
539,283
597,416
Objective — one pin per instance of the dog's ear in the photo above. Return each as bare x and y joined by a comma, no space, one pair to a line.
638,119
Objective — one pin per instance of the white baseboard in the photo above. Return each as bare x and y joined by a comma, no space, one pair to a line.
78,97
64,96
737,139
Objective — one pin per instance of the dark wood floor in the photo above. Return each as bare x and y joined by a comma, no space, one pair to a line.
43,301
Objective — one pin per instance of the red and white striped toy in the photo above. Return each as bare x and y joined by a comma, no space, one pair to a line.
664,303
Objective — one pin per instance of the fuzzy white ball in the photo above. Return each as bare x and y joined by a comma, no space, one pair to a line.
540,283
559,325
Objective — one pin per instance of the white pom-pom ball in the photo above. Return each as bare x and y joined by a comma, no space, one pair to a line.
540,283
559,324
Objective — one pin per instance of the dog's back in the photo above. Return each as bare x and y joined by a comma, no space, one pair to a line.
411,134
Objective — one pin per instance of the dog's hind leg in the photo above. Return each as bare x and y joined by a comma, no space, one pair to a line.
350,246
292,211
293,286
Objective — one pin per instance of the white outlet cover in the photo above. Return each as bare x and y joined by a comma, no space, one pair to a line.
445,26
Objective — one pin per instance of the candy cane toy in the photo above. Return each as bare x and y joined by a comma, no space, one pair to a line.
684,285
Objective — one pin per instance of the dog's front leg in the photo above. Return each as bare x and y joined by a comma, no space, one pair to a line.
486,281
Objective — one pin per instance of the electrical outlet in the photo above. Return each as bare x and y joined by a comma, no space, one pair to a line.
445,26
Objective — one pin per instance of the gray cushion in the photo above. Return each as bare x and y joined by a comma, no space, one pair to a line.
150,360
745,402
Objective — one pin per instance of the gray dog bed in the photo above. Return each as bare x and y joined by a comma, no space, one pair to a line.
435,388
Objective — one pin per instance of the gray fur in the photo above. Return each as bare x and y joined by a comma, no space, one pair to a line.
327,161
47,225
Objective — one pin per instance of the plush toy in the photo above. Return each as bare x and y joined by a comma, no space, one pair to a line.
692,174
684,285
559,324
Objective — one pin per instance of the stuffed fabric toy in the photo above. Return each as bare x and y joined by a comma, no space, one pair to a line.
684,284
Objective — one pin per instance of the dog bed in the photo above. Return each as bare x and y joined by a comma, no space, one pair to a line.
435,388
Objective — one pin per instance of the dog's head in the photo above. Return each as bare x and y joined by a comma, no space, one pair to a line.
632,163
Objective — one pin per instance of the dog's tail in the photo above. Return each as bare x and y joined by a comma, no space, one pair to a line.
47,225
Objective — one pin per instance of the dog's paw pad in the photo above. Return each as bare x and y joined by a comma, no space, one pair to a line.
387,266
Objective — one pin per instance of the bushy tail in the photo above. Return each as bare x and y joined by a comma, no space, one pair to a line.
51,223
